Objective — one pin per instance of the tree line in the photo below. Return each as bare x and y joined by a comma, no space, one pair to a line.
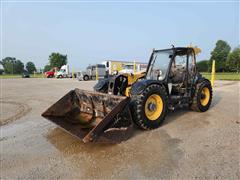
225,59
11,65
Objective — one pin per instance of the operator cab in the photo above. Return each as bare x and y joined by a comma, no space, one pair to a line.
175,67
159,64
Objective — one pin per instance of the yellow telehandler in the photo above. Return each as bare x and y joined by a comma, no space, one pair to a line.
171,81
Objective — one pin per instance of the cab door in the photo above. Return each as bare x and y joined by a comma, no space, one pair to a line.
179,69
191,67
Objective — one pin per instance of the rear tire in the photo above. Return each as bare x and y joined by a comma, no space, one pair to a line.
146,117
203,97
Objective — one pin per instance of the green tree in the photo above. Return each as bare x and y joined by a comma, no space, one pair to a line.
57,60
47,68
1,68
233,60
12,66
30,66
8,64
19,67
220,54
203,65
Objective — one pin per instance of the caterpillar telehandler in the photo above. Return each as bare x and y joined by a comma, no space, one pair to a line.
170,81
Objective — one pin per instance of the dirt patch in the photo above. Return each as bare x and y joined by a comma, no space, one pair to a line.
11,111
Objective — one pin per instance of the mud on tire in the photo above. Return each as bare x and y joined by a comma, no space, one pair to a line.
138,107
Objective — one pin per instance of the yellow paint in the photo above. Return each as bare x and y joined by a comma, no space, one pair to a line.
73,73
196,49
155,113
116,66
127,92
134,66
213,73
96,72
206,92
132,78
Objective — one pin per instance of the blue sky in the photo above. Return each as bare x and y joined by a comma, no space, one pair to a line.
93,32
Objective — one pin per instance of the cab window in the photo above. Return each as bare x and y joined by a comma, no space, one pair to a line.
180,61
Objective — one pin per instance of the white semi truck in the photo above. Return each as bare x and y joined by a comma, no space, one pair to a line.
64,72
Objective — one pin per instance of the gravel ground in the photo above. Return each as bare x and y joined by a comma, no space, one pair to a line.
189,145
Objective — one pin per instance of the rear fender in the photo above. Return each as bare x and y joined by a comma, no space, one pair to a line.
199,79
140,86
102,85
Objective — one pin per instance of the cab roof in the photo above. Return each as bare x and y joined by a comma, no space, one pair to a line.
181,50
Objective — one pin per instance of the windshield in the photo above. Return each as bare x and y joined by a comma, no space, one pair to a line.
159,65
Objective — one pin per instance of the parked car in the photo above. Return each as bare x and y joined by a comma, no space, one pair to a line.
25,74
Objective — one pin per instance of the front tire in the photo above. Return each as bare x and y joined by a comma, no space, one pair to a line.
150,107
203,97
86,78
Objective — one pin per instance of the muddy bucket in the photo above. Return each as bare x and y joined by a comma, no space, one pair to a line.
87,114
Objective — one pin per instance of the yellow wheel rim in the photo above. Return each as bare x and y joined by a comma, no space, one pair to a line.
153,107
205,96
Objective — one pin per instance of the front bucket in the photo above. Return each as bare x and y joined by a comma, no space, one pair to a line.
87,114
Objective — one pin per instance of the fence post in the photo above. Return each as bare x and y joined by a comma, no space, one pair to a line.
134,66
73,73
96,72
213,73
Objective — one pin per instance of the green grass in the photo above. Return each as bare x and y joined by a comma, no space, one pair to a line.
10,76
218,76
223,76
